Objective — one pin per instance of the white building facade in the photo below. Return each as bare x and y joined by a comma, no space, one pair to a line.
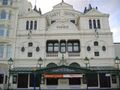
76,48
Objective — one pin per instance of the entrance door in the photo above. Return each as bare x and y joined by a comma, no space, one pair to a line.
22,81
104,80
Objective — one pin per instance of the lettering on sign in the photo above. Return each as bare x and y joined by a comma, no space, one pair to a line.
55,14
63,70
62,27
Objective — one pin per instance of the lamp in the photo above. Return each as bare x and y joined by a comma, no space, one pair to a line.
86,61
117,61
10,62
40,62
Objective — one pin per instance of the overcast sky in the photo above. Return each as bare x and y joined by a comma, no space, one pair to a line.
111,7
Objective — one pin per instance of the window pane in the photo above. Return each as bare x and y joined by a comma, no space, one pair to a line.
62,49
90,24
94,23
9,51
1,51
56,47
3,15
27,25
98,23
69,48
35,25
5,2
76,48
1,32
50,49
62,46
31,25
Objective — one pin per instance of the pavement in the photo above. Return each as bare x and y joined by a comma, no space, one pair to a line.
68,89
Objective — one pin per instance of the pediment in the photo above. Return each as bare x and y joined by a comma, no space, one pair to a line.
31,14
93,12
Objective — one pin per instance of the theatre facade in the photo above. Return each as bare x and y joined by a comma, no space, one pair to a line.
61,49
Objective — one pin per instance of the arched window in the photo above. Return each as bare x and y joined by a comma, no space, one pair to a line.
74,65
3,14
52,46
31,25
51,65
35,25
62,46
73,46
90,24
98,24
94,23
27,25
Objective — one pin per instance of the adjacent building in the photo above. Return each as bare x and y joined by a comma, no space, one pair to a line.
61,49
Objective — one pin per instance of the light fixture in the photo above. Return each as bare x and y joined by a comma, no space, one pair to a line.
10,61
40,61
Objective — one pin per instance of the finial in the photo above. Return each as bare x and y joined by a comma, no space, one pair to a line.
62,1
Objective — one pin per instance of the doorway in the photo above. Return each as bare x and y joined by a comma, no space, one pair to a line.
104,80
22,81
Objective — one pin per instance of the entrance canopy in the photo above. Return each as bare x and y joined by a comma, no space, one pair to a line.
65,70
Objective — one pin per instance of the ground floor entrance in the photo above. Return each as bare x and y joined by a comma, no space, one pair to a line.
64,77
22,81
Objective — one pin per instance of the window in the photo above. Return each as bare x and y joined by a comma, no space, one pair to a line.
103,48
94,23
114,79
30,44
14,79
29,54
96,53
52,46
1,78
3,14
88,48
5,2
35,25
27,25
62,46
73,46
73,21
31,25
37,49
22,49
3,31
90,24
95,43
74,81
1,51
98,24
53,21
9,51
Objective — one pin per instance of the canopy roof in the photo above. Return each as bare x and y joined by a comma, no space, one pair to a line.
65,70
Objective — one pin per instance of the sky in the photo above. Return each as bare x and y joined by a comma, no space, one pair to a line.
111,7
